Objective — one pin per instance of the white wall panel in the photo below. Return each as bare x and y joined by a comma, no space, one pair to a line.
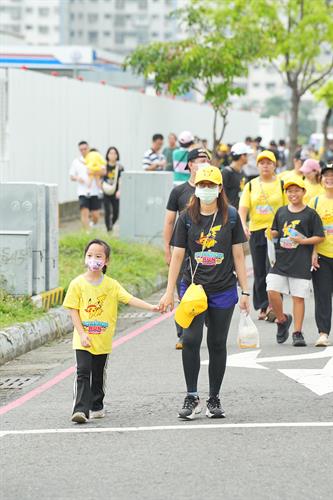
49,115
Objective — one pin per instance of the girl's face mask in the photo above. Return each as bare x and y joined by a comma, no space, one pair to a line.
207,194
94,264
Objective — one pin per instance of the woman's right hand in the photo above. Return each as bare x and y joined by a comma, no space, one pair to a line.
85,340
315,261
247,232
167,302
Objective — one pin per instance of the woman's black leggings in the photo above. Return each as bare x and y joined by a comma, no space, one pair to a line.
217,333
111,210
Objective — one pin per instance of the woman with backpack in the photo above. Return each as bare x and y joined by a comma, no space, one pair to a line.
259,203
210,232
110,187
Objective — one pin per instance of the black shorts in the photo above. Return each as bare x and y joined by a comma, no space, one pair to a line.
90,202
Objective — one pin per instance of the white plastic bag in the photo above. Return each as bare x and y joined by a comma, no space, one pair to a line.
271,252
248,335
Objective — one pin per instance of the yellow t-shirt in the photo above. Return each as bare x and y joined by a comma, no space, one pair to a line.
263,201
325,210
312,190
98,309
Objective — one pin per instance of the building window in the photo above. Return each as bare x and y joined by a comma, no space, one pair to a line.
80,15
107,33
143,4
43,11
107,16
120,21
28,27
120,4
119,38
256,85
154,34
92,36
92,18
270,85
43,30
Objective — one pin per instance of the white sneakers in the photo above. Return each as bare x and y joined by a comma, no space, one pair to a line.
80,418
97,414
323,340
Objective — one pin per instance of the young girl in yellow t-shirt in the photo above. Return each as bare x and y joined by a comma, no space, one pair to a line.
92,299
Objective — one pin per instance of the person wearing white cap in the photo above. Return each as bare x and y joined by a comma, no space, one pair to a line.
233,177
185,140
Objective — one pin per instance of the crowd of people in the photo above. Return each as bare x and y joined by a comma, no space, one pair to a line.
217,204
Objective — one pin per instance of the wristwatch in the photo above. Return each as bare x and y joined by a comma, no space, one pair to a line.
246,293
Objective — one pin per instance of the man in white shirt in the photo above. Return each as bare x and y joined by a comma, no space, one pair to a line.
87,189
153,159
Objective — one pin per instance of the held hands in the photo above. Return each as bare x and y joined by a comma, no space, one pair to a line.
315,261
85,340
247,232
167,302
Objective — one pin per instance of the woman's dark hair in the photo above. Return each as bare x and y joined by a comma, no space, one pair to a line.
193,207
114,149
107,249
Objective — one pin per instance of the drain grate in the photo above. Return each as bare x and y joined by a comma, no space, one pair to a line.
135,315
16,382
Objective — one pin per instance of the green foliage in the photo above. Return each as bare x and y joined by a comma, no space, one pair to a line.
325,94
274,106
132,264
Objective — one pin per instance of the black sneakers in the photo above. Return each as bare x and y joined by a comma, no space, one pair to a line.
283,329
298,339
190,408
214,408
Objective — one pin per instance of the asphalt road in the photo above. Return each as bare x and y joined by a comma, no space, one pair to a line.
276,442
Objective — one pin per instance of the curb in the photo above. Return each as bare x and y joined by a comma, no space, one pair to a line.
24,337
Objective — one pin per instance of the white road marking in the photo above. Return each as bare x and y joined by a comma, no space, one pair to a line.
318,381
184,426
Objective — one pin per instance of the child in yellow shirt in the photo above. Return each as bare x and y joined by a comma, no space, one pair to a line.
92,299
96,167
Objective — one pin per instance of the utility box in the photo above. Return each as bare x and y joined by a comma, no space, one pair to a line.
52,237
16,262
144,196
22,208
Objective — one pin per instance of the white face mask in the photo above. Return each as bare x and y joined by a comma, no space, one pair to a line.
207,195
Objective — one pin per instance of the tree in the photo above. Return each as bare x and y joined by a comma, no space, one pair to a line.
217,50
274,106
300,45
325,94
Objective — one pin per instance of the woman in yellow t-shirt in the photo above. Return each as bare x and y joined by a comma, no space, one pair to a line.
311,171
322,260
92,299
259,202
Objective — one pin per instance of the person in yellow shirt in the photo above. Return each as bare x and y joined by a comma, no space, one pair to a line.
92,299
322,259
259,202
299,159
311,171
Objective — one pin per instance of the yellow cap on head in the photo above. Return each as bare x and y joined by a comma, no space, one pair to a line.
294,181
268,155
209,173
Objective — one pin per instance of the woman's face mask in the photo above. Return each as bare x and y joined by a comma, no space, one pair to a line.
207,194
94,264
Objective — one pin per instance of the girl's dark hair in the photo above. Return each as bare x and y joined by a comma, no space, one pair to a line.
108,151
107,250
193,207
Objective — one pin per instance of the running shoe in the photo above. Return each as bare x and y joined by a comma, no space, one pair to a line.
97,414
283,329
214,408
79,417
298,339
323,340
190,408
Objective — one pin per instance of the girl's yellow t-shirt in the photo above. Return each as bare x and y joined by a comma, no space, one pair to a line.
98,310
262,200
312,190
324,208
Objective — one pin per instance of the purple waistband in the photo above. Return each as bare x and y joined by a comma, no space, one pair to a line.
219,300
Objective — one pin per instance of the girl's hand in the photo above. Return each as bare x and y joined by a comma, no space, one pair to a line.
315,261
118,195
244,303
85,340
167,302
155,308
